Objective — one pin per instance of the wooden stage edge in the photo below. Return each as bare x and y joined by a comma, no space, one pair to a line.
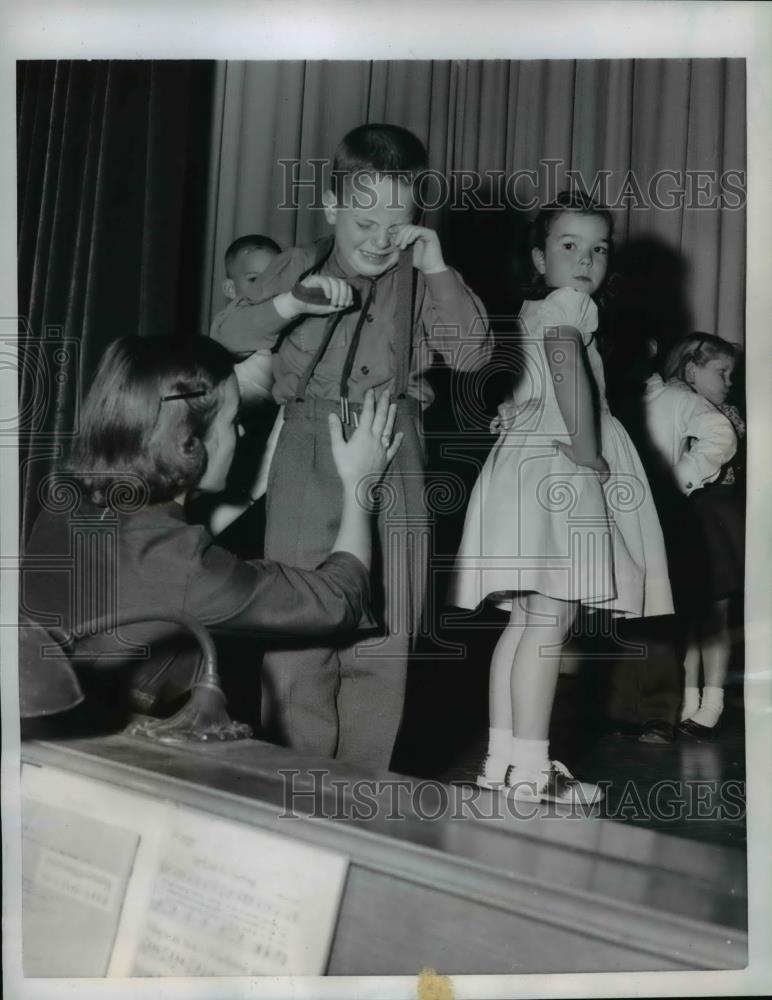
462,891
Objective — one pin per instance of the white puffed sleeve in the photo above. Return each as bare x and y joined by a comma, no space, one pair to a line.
567,307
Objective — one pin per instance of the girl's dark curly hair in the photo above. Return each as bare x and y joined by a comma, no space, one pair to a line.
128,429
573,200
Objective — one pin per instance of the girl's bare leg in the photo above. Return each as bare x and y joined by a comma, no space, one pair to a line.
500,683
716,649
691,679
497,758
537,663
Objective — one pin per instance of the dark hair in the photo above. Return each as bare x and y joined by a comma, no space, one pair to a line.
573,200
249,243
698,348
383,150
130,430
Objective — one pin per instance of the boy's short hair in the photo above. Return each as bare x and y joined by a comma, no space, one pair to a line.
254,241
699,348
378,149
132,435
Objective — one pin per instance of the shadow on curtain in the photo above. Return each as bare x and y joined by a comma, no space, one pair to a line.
523,125
112,174
630,118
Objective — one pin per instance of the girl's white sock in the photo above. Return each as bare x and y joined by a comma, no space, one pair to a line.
711,708
691,702
529,755
497,758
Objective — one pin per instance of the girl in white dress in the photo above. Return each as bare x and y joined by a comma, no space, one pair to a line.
561,514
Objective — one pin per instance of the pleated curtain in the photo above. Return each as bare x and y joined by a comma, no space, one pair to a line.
112,188
632,118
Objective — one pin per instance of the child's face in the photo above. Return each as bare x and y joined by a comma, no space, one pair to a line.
713,380
366,220
245,269
220,440
575,254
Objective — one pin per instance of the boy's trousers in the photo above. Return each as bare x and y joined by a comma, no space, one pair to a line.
342,696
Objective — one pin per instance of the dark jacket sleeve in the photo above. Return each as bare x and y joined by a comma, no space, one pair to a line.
274,599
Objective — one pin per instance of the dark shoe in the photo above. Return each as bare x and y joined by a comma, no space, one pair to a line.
696,731
657,732
622,730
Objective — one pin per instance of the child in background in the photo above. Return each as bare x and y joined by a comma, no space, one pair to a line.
696,434
245,260
390,303
539,537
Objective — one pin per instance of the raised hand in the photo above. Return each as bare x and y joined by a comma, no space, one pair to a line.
427,252
331,294
370,448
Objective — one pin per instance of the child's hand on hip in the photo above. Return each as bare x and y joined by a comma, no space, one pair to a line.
337,292
370,448
427,252
598,464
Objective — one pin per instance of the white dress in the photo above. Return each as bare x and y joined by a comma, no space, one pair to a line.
538,522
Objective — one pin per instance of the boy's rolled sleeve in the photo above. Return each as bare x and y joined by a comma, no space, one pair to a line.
455,323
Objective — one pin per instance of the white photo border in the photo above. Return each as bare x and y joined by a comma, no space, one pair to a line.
446,29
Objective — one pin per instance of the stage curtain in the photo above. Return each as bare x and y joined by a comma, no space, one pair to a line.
630,117
112,188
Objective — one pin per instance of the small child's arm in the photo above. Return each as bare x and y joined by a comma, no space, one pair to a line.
260,485
714,443
251,324
255,378
573,392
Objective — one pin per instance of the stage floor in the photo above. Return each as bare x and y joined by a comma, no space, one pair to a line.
686,789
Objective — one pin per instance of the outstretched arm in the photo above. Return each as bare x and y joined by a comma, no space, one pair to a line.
361,461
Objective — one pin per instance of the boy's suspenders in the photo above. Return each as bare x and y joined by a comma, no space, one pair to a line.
403,333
